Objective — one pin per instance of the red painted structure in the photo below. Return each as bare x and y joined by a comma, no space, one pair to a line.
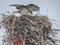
19,41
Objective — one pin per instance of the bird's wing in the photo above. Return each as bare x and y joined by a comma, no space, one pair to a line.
33,7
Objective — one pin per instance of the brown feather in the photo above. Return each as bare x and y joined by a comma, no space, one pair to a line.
33,7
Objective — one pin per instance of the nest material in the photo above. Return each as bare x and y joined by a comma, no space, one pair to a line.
28,27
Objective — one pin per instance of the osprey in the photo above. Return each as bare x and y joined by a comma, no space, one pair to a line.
26,9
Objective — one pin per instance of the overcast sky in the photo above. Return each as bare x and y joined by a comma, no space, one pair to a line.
53,7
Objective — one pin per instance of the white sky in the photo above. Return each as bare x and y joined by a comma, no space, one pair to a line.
53,7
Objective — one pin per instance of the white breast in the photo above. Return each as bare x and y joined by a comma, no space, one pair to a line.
24,11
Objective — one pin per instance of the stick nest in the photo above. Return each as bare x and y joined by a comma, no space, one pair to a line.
28,27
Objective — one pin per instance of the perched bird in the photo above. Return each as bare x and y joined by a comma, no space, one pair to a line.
26,9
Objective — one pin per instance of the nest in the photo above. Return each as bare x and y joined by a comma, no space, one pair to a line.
33,29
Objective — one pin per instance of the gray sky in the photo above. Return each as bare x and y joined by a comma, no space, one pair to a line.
53,7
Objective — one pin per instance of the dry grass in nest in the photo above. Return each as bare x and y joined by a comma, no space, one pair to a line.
30,28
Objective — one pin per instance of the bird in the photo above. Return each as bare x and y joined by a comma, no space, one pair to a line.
26,9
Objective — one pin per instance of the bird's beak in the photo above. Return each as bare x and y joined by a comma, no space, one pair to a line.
14,5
